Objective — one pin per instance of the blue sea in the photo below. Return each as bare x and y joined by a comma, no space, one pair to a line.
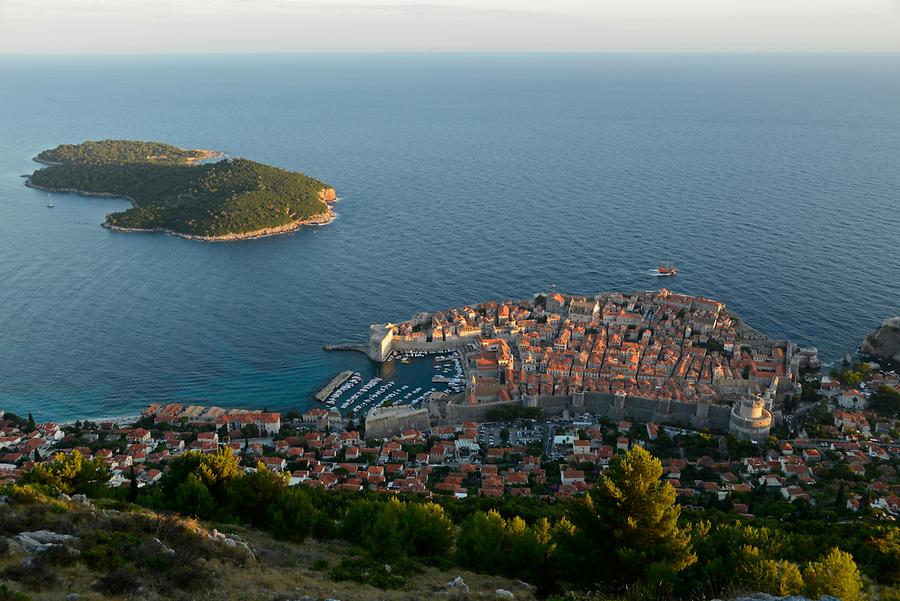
773,182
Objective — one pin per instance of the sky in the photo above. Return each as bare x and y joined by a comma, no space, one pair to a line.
285,26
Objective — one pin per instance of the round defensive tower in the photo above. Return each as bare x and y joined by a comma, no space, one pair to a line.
750,419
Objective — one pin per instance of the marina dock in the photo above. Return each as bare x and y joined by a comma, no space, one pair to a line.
331,386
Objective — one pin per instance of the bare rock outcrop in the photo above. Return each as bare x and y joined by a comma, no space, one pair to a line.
41,540
884,343
327,195
458,585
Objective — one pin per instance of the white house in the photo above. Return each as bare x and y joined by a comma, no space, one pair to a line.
572,476
852,400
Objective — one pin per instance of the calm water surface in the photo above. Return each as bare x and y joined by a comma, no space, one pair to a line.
773,182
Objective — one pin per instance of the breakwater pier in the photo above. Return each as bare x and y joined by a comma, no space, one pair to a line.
335,382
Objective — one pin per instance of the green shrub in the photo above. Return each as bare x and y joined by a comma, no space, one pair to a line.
395,529
59,555
776,577
480,543
428,532
118,581
9,595
251,495
834,574
384,536
292,516
191,576
102,550
193,498
36,576
890,594
488,543
71,473
367,571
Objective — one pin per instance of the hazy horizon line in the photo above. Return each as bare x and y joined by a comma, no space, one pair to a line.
459,53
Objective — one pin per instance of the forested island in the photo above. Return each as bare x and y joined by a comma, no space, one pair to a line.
176,191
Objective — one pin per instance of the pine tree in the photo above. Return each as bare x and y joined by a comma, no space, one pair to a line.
629,526
479,543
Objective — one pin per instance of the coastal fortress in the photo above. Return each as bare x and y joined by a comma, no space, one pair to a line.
652,356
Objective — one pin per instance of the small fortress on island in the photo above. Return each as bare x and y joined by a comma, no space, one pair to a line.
652,355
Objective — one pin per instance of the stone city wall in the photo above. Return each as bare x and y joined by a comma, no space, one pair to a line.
679,413
457,413
440,345
385,426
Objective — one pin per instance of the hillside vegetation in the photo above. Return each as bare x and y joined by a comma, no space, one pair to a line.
110,549
627,537
170,192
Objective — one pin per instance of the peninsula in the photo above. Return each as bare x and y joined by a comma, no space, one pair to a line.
177,191
653,355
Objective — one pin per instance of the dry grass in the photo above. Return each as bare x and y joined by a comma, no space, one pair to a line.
286,571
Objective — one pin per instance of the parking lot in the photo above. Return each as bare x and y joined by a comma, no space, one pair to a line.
521,433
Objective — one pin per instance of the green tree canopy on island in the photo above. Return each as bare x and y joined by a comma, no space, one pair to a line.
119,151
170,191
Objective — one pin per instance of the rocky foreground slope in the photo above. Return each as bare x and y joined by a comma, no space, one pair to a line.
76,550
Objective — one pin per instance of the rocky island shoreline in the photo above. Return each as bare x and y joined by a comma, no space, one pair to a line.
176,191
324,219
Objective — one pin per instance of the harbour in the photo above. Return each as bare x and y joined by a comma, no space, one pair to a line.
405,378
329,388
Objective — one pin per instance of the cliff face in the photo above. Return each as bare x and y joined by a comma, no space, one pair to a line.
884,343
327,195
